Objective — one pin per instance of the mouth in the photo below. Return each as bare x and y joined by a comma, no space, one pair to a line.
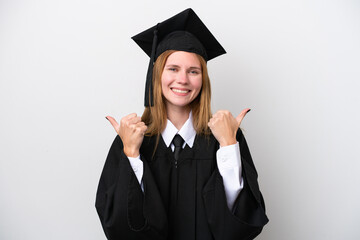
181,91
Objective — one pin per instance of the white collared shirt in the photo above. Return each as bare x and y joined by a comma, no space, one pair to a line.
228,159
187,132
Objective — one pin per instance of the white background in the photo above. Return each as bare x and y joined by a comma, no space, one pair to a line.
65,65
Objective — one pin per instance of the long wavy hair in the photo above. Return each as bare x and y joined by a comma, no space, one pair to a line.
155,117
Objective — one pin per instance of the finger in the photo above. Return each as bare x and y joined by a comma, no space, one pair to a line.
211,119
140,124
211,123
241,116
128,120
144,128
133,126
222,112
218,113
141,129
113,122
134,120
130,116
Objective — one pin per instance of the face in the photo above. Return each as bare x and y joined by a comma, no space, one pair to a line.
181,79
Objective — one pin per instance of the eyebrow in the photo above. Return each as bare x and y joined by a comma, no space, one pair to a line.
177,66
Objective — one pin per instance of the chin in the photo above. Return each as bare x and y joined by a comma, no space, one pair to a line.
179,104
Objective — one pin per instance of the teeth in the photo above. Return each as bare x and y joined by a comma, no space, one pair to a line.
179,91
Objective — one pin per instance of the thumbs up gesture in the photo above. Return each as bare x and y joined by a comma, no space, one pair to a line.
224,126
131,131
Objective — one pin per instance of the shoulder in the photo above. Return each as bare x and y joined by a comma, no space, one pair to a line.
239,134
241,138
117,143
207,142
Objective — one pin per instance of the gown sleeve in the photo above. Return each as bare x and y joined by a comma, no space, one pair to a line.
124,210
247,217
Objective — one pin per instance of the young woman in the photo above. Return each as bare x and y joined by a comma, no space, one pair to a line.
179,172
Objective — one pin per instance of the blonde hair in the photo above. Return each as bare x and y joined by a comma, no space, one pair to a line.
155,117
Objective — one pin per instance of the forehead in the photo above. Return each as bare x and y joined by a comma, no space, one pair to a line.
182,58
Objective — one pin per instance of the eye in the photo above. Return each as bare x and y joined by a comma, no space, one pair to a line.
172,69
194,72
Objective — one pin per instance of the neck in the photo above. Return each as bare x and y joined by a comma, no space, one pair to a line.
178,116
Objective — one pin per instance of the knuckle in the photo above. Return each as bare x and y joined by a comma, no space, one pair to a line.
123,121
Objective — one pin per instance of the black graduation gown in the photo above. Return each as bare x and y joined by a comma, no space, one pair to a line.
183,202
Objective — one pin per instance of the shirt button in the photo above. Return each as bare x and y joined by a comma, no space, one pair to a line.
135,169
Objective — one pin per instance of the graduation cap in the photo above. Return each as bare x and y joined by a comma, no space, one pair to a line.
183,32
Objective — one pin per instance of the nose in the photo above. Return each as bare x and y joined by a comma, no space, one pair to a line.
182,78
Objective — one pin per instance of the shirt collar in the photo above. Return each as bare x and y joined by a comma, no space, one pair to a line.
187,132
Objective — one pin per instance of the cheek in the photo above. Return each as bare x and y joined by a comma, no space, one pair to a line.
165,79
197,84
163,83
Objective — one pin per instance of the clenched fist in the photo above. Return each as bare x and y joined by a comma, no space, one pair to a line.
131,131
224,126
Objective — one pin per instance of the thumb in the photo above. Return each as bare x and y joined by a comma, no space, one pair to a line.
113,122
241,116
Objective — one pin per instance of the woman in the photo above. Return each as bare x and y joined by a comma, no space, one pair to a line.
176,172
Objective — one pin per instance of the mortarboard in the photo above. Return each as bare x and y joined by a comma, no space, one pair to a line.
183,32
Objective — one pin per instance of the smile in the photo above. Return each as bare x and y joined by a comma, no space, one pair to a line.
179,91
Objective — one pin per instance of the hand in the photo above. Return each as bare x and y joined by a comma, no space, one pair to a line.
224,126
131,131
